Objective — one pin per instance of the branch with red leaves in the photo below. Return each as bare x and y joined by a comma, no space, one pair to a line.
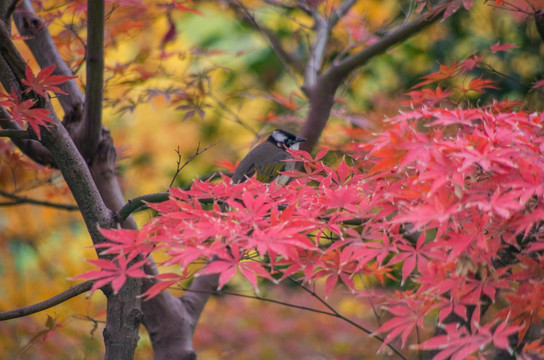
438,210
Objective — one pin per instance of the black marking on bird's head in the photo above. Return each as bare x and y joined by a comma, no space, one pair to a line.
284,139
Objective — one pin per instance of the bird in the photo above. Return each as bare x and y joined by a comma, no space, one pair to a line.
267,158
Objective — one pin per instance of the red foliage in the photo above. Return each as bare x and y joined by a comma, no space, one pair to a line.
44,81
25,111
442,204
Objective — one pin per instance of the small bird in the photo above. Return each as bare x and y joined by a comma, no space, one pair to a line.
267,158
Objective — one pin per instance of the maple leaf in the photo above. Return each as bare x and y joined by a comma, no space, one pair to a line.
407,314
439,209
504,47
454,6
227,267
166,280
471,63
458,344
479,85
500,203
446,72
412,256
287,103
22,112
538,85
113,272
44,81
129,242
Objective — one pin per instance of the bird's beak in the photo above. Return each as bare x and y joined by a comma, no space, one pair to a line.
300,139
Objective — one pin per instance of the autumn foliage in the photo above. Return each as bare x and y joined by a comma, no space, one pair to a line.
435,219
444,204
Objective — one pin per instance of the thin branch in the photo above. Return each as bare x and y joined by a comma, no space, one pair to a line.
317,52
180,167
323,28
491,69
299,5
403,32
335,313
254,297
340,12
287,60
17,200
237,119
49,303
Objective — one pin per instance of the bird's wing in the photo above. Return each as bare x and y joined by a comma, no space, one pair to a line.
269,159
268,170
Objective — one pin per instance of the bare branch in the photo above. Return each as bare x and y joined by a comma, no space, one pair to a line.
288,61
237,119
323,28
189,159
253,297
18,200
322,94
345,66
335,313
340,12
313,67
49,303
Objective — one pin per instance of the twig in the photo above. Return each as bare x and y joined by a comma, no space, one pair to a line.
254,297
335,313
491,69
286,59
49,303
393,37
179,168
340,12
237,119
17,200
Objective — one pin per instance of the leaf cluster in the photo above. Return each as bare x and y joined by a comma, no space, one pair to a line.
454,209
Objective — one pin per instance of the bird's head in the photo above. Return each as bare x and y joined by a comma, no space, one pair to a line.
285,140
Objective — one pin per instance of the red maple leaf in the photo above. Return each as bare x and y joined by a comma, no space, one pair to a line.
479,85
446,72
406,316
114,272
44,81
538,84
504,47
22,112
458,344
